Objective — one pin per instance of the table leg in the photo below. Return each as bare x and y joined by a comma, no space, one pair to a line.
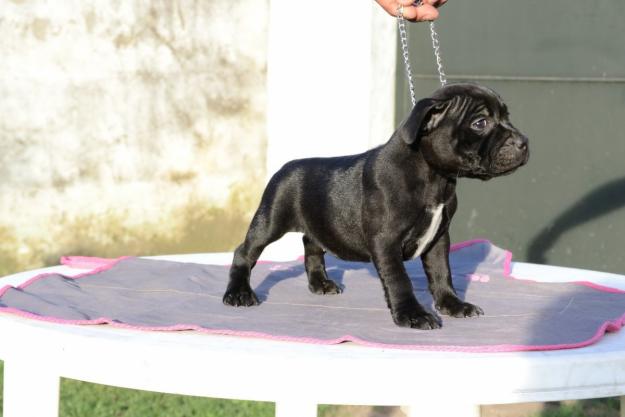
29,390
439,409
294,408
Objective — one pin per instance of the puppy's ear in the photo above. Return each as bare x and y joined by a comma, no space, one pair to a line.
424,117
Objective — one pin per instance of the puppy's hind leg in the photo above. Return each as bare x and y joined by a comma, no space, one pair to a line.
318,281
260,234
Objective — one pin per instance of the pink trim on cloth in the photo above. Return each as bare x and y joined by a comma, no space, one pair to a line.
89,262
98,265
103,264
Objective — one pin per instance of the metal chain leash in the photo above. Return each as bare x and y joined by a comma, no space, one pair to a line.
403,39
442,77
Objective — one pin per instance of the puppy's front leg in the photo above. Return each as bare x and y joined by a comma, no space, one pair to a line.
405,309
436,264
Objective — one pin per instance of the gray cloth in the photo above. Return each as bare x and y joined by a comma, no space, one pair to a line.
164,295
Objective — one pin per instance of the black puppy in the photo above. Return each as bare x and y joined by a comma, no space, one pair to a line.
389,204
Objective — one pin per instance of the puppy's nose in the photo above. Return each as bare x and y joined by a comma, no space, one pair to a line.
519,142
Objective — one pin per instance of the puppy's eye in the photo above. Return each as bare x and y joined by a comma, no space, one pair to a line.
479,124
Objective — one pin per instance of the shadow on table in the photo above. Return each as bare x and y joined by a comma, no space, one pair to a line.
337,268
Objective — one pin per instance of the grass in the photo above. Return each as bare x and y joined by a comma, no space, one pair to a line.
82,399
600,407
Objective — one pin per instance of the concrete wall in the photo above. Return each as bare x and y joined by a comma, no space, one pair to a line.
129,127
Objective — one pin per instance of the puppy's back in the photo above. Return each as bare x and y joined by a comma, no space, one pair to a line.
321,197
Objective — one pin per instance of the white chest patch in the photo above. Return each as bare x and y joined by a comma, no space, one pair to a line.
426,238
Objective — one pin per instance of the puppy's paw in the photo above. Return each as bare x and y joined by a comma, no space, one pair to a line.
240,297
453,306
325,286
417,319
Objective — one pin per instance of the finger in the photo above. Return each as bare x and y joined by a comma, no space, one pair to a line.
421,13
435,3
391,6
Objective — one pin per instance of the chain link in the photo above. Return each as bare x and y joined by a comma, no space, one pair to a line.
442,77
403,39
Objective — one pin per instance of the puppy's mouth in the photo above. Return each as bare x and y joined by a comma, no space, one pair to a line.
508,167
503,164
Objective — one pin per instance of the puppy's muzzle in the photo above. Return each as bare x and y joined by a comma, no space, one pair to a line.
519,148
518,142
513,153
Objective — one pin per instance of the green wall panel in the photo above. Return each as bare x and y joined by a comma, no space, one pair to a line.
567,38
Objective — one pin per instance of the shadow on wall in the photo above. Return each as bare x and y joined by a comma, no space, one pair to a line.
599,202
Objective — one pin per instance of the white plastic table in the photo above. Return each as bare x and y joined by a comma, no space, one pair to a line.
298,376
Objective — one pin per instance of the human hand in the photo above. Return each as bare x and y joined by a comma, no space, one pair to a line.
426,11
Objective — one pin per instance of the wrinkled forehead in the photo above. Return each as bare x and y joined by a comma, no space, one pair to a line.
472,99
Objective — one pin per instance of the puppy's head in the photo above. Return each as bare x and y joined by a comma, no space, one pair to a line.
463,130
